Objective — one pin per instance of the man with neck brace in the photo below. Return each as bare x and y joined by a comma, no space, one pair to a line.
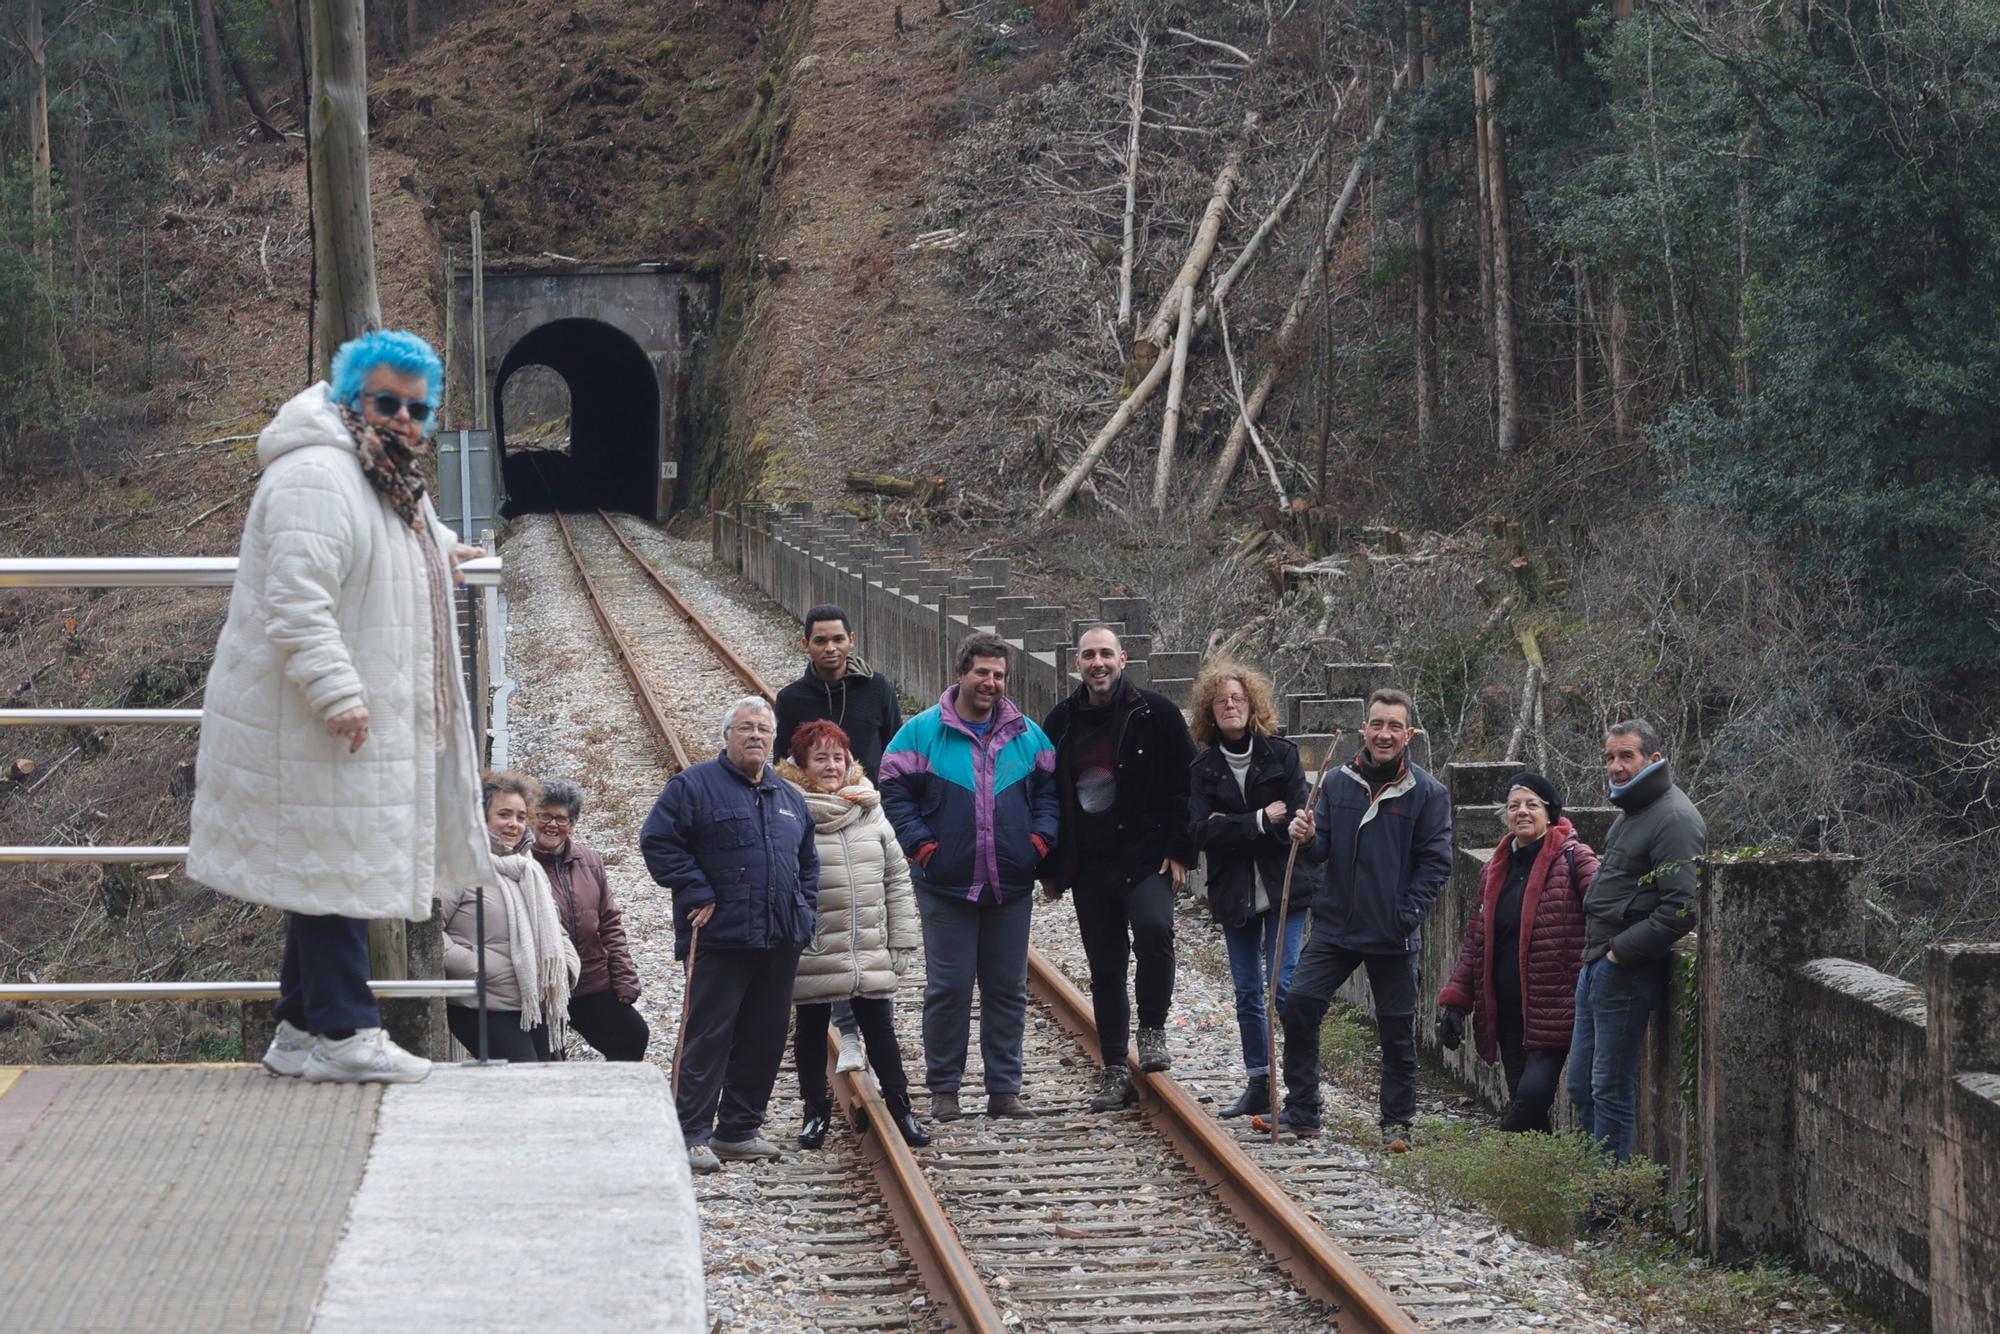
1382,829
1641,902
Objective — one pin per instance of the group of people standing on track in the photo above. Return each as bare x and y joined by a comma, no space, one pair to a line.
830,841
828,870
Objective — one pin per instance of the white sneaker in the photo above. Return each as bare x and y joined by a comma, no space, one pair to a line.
701,1158
369,1057
290,1046
853,1057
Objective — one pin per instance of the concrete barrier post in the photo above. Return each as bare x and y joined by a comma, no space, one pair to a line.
1759,919
1962,988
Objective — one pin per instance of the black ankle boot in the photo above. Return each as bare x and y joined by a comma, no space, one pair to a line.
1255,1099
911,1129
812,1131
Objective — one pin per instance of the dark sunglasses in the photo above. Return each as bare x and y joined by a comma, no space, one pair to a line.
388,405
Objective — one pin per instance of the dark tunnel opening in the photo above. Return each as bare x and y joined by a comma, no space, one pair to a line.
613,458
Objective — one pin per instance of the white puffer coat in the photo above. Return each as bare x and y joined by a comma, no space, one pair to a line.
329,610
866,904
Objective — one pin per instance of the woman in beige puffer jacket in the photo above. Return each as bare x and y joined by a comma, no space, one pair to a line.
867,933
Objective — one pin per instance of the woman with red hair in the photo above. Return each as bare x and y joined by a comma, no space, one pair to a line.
867,933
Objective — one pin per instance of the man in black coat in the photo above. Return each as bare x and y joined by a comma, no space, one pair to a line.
1122,761
839,687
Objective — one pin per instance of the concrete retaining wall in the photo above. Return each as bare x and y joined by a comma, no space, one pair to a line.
1860,1108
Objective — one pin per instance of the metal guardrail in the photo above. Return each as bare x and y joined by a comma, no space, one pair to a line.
140,855
100,717
165,572
387,989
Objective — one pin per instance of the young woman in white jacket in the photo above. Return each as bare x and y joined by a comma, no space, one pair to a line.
336,776
531,963
867,932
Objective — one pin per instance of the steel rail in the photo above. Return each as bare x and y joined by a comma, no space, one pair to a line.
387,989
1298,1244
165,572
746,673
934,1245
656,715
100,717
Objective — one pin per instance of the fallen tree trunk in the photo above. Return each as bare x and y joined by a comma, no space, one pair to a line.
1170,429
1095,449
886,484
1154,336
1138,100
1232,451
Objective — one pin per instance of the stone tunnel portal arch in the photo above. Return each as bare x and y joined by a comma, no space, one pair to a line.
614,397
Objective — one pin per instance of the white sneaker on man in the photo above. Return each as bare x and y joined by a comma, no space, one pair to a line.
290,1046
369,1057
853,1056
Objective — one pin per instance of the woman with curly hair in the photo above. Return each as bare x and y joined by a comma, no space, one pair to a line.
1246,784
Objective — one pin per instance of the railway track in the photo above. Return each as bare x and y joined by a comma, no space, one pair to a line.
1073,1221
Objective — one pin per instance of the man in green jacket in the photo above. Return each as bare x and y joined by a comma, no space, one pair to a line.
1641,902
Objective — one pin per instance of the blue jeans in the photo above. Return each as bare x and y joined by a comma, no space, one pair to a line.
1613,1003
1251,947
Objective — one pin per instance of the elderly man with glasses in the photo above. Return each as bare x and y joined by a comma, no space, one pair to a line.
601,1004
733,844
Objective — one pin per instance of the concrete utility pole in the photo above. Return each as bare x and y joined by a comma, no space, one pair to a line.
343,225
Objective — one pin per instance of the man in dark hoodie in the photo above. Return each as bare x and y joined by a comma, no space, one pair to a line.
839,687
1641,902
1123,757
1382,829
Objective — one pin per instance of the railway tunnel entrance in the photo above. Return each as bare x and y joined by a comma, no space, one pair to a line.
613,423
620,340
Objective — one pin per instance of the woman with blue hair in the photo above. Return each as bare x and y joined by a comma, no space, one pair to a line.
337,776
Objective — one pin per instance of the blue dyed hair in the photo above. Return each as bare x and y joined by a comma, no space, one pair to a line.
401,351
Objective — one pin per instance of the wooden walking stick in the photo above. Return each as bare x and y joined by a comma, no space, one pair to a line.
1272,1028
687,1000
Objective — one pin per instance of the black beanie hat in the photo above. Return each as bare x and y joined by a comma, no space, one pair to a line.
1542,788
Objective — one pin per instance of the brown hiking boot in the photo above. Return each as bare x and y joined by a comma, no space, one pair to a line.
944,1107
1153,1050
1008,1104
1397,1139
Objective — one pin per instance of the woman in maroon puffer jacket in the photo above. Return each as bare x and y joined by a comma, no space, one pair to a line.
602,1005
1523,950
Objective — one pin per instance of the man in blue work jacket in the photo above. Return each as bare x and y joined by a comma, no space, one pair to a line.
733,843
1382,829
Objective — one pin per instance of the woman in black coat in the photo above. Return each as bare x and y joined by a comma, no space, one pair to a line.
1247,782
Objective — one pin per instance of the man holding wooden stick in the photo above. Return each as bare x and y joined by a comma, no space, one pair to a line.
1382,829
733,843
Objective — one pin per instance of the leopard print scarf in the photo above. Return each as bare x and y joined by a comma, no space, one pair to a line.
390,467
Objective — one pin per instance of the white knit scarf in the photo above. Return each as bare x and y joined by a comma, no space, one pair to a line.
545,962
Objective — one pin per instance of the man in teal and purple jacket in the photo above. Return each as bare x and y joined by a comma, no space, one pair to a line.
970,787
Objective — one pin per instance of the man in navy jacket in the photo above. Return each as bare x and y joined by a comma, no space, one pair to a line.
733,842
1382,829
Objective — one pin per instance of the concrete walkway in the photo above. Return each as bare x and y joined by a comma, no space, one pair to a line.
220,1198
